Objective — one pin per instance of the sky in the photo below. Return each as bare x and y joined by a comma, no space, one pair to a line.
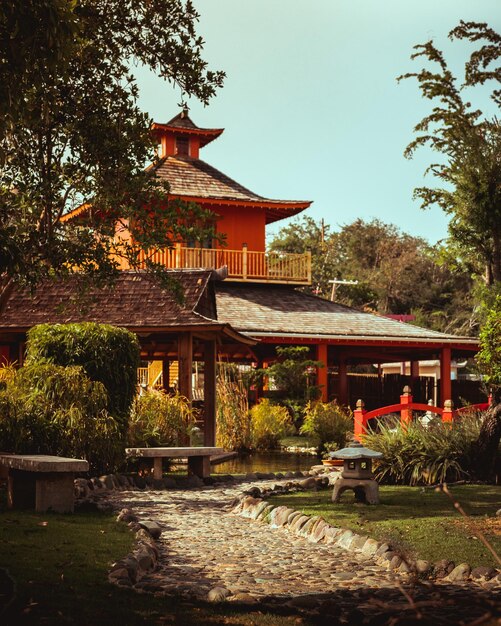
311,106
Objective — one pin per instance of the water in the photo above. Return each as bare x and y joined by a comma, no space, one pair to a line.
272,461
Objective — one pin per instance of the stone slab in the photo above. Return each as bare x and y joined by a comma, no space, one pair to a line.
43,463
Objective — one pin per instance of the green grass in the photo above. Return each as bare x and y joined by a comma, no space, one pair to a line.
60,565
421,522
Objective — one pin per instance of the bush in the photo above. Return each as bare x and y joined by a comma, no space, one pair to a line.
108,355
49,409
329,423
233,430
269,423
416,455
158,419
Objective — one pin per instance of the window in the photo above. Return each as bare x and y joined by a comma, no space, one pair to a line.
182,145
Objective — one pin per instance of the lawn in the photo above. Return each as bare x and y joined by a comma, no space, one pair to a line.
421,522
60,564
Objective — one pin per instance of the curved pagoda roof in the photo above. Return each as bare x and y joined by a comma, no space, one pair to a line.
197,181
182,124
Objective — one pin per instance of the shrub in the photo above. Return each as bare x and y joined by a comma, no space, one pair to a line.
233,430
108,355
269,423
417,455
329,423
49,409
158,419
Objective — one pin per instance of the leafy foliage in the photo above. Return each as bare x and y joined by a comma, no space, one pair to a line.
71,133
469,145
269,423
233,424
158,419
292,374
50,409
489,356
329,423
107,354
415,455
387,264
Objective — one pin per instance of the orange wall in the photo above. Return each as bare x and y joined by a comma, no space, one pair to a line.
242,225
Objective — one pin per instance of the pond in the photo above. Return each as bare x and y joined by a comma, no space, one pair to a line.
271,461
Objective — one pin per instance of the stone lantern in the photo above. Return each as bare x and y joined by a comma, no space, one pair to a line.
357,473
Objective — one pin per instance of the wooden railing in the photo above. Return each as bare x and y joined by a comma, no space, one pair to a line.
243,265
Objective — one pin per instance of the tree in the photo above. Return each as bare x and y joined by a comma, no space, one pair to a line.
108,354
305,234
72,132
387,265
469,145
291,374
489,360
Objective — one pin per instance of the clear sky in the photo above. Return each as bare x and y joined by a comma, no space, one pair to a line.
311,106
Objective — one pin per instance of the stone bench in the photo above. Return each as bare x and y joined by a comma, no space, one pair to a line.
41,482
198,458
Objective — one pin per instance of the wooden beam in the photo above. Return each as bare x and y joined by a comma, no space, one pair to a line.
185,360
344,398
165,374
210,393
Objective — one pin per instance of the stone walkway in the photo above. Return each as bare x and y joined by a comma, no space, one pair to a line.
203,546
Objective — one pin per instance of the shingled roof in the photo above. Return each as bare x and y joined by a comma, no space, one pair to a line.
282,311
135,302
194,178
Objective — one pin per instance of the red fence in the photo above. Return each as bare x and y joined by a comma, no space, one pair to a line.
406,407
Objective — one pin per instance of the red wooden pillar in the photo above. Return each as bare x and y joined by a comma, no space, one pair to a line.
360,421
406,413
210,393
445,376
343,398
185,360
323,372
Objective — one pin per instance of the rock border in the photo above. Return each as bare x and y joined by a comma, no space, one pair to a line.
252,505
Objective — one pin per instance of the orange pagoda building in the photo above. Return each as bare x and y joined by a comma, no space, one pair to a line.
243,300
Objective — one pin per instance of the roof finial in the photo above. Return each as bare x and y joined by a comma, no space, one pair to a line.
184,108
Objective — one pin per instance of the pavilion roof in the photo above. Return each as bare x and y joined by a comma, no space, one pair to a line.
284,312
135,302
197,180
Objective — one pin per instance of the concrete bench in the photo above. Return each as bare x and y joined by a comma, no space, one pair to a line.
198,458
40,482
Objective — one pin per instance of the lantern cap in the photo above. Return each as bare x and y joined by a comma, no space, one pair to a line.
355,451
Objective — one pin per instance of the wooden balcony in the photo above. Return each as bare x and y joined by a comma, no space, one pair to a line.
243,265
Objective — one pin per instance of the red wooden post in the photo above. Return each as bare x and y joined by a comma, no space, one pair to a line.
406,413
445,375
448,415
323,372
360,421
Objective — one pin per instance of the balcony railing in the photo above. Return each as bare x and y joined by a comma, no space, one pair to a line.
243,265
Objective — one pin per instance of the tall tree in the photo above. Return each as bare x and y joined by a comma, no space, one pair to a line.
71,131
469,145
388,265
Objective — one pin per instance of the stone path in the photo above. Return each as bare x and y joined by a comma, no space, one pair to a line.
203,546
